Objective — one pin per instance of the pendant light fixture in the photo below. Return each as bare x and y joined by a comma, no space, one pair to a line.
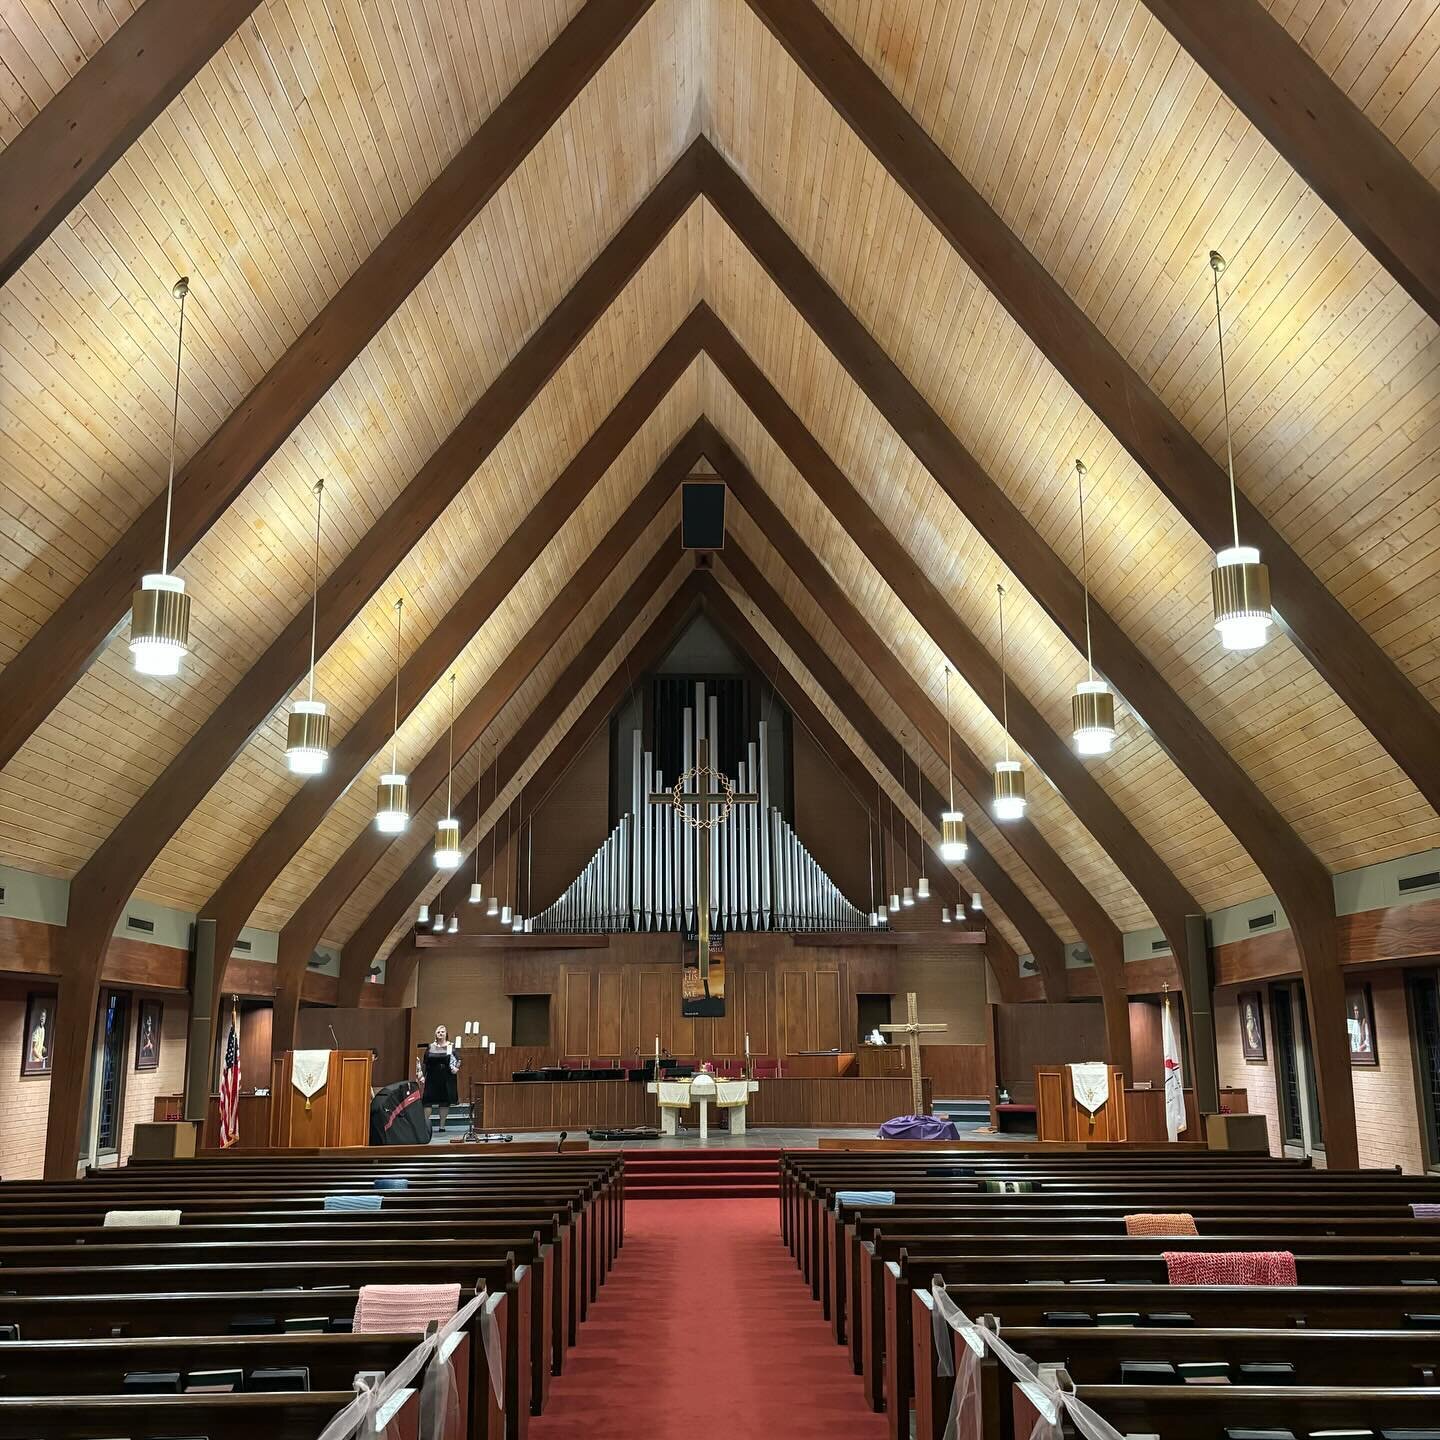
907,895
953,845
1092,706
447,832
1009,774
944,914
493,908
160,608
423,918
307,732
894,894
517,924
437,923
922,883
454,927
879,916
506,913
1240,584
392,795
477,893
975,903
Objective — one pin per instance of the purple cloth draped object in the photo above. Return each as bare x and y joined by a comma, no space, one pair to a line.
919,1127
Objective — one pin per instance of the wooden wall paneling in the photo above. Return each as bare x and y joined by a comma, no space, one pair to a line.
828,1023
1299,101
1168,900
609,1013
577,1021
65,645
401,896
797,1011
758,992
52,164
1323,135
233,903
1296,876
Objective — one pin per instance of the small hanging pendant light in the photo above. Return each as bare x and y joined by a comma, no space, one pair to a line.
953,845
975,903
454,927
517,923
907,895
944,914
506,913
922,884
1009,774
493,908
1092,706
447,832
423,918
1240,583
438,924
160,608
477,894
307,731
392,795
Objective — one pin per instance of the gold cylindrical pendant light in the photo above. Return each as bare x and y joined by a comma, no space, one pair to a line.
1240,583
160,608
1009,774
1092,706
307,732
953,844
447,832
392,795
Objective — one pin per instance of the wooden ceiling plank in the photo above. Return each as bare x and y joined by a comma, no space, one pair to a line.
1099,932
364,945
66,644
107,880
1322,134
1326,633
55,161
1003,960
1277,851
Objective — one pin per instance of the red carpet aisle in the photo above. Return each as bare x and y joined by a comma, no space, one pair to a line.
706,1322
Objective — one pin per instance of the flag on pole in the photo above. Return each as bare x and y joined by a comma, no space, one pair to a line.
1174,1079
230,1086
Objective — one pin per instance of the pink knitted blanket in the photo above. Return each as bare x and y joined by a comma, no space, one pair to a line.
391,1308
1234,1267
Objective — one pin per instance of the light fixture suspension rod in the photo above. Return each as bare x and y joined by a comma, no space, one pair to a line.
315,585
479,800
519,831
949,741
1004,684
1217,266
1085,565
182,288
495,828
905,791
395,728
919,811
450,773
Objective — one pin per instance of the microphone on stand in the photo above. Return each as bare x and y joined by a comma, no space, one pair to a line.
560,1145
333,1036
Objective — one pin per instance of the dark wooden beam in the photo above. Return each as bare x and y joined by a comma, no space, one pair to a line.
54,162
365,944
1099,932
65,645
1299,880
247,883
1320,132
1327,634
729,618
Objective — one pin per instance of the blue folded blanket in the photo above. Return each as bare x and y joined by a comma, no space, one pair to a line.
392,1182
352,1202
863,1197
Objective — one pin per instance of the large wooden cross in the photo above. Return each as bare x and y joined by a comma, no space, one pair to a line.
912,1029
707,792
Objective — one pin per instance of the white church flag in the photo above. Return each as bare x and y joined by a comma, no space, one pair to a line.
1174,1078
309,1070
1090,1083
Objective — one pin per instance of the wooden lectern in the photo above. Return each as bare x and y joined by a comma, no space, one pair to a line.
1059,1116
339,1112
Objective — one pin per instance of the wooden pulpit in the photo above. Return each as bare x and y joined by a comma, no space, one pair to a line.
1060,1116
337,1114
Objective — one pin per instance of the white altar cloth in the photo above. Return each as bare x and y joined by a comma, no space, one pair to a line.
703,1090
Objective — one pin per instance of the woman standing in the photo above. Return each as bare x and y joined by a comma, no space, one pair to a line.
438,1068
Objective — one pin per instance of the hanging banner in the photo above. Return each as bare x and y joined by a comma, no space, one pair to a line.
703,999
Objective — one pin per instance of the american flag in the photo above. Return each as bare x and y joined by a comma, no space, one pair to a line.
230,1087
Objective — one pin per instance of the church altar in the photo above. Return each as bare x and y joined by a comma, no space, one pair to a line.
702,1090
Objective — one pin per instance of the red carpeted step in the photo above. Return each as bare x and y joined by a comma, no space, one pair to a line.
705,1326
701,1174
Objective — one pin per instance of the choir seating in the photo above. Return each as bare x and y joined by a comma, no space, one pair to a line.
258,1276
1354,1344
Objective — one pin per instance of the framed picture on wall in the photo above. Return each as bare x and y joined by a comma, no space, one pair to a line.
36,1053
1252,1026
1360,1025
147,1034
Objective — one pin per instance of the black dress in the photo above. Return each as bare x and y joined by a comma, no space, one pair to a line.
440,1088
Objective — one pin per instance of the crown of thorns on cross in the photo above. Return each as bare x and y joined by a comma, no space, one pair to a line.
683,796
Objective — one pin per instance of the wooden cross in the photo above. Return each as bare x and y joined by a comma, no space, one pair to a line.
703,799
912,1029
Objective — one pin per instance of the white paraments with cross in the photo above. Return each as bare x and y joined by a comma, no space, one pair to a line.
912,1029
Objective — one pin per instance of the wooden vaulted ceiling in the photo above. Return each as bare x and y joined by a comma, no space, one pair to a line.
287,159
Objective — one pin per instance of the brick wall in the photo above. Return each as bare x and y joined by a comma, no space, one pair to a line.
24,1104
1386,1118
1257,1079
142,1086
1385,1111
